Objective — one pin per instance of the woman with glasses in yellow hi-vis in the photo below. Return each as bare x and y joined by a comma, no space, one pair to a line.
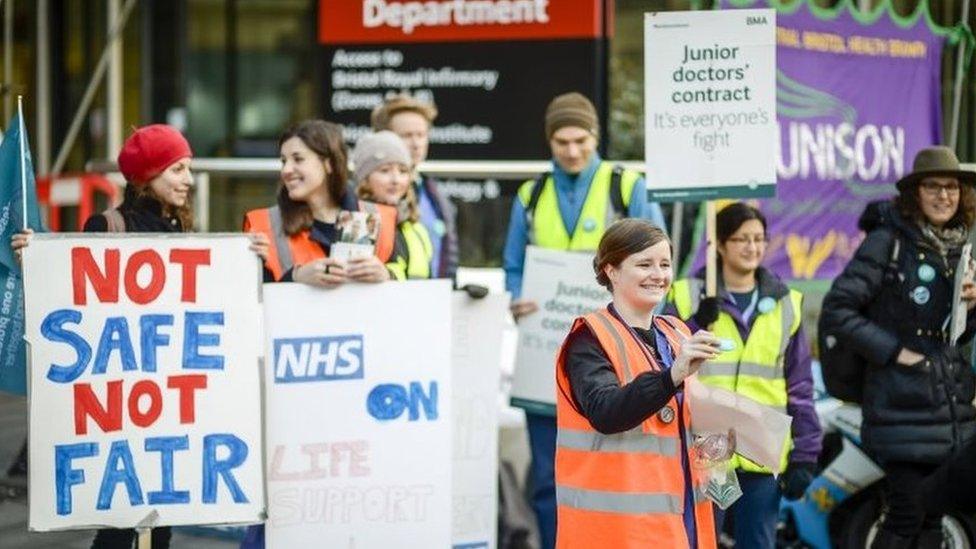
766,357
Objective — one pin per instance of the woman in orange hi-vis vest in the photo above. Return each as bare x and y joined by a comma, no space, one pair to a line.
301,227
624,475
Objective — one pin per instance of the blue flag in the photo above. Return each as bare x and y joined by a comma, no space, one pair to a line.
13,358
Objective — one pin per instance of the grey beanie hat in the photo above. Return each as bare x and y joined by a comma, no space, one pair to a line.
375,149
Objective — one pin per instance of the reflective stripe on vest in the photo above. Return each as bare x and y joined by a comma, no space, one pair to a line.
287,251
612,502
420,251
548,229
634,441
754,368
625,489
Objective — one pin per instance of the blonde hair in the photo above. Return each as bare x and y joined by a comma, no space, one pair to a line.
384,113
413,209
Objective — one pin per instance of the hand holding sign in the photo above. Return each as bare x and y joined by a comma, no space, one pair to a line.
19,241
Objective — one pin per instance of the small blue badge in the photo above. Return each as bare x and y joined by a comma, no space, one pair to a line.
726,345
589,225
766,304
926,273
921,295
439,227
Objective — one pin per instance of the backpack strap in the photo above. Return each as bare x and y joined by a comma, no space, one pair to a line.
114,220
617,193
895,249
891,269
537,188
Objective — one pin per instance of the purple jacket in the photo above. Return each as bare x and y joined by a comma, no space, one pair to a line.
806,430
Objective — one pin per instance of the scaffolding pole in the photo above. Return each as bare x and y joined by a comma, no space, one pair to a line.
114,86
43,100
957,83
8,60
96,78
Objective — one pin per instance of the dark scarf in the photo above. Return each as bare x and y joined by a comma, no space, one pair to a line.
943,239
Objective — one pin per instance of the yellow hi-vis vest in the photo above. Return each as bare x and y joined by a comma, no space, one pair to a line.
419,252
546,227
754,368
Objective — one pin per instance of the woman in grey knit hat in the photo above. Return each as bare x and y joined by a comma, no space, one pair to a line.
381,167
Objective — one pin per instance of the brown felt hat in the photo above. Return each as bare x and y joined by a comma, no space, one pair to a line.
571,109
938,161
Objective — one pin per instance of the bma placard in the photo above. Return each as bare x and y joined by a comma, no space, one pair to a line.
145,400
710,104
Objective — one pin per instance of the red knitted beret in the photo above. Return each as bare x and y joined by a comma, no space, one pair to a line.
150,150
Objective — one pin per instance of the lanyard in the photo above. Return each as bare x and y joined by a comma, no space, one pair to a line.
748,312
662,347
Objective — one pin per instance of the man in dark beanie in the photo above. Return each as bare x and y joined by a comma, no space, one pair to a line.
567,208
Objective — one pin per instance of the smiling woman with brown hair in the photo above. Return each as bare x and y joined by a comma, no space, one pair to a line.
301,227
623,468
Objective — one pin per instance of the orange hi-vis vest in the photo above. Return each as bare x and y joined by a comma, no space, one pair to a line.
626,489
287,251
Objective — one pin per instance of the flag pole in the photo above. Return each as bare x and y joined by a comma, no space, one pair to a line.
23,161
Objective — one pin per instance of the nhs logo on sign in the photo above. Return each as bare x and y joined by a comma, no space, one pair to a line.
298,360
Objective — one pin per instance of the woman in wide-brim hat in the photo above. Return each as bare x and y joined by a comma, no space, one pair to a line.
891,306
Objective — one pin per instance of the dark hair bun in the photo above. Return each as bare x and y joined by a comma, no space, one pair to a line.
601,276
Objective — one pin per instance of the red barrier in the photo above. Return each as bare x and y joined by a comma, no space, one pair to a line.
73,190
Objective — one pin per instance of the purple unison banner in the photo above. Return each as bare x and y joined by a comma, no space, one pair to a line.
857,96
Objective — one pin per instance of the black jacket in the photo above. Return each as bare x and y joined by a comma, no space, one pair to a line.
446,213
142,215
921,413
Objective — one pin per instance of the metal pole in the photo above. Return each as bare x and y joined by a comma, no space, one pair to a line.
8,60
23,160
43,101
114,86
957,85
711,265
96,78
201,200
677,225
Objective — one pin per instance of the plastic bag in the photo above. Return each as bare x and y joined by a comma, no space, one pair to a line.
712,452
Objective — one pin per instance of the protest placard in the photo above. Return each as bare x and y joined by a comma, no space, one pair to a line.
478,328
710,100
145,401
358,414
564,287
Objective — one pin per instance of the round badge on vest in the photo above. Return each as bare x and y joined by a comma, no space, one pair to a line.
766,304
589,225
921,295
926,273
666,415
440,228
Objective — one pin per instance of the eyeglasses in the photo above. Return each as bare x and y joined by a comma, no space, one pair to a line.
933,188
745,241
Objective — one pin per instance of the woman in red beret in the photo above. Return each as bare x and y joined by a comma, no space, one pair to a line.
155,161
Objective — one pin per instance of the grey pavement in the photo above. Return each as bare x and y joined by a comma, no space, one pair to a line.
13,506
